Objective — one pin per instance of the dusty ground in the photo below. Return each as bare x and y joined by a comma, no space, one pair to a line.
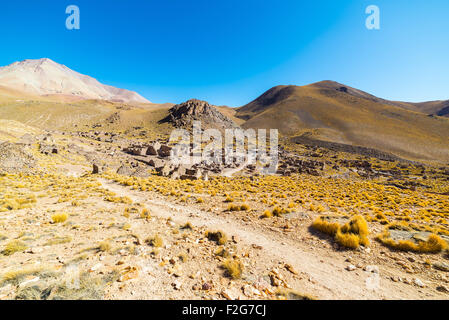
66,233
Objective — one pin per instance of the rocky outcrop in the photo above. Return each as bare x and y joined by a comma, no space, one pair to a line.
183,115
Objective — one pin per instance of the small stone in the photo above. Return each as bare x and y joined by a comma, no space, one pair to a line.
441,266
372,269
206,286
96,267
177,285
290,268
29,281
275,281
351,267
419,283
34,250
229,294
442,288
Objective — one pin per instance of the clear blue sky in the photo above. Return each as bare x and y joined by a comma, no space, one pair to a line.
230,51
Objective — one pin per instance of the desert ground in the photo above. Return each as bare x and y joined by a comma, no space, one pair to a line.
92,208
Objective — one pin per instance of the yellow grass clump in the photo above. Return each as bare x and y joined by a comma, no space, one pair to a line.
350,235
13,247
234,268
155,241
59,217
434,244
217,236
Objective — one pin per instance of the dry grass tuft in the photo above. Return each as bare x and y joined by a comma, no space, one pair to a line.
434,244
13,247
155,241
351,235
218,236
59,217
234,268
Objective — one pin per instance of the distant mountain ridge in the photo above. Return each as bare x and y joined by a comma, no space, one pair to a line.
45,77
334,112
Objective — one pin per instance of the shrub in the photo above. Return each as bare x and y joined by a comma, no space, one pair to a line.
188,225
234,268
267,214
145,214
217,236
350,235
13,247
155,241
59,217
434,244
104,246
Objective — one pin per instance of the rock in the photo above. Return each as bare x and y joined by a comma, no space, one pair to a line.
275,282
124,170
165,170
6,290
177,285
261,284
156,163
443,288
441,266
419,283
290,268
250,291
95,169
183,115
153,149
372,269
96,267
206,286
230,294
351,267
35,250
28,281
164,151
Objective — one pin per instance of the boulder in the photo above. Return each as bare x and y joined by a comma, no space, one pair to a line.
156,163
164,151
153,149
95,169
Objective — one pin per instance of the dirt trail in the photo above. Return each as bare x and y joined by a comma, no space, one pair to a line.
324,269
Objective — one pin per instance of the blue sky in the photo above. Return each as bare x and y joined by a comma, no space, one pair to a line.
229,52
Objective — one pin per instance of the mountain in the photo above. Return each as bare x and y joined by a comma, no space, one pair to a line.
333,112
435,108
44,77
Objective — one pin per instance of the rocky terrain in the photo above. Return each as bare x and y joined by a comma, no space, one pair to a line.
93,205
100,216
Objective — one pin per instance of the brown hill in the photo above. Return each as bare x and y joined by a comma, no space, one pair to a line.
330,111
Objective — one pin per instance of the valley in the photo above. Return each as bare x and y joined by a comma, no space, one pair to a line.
92,207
